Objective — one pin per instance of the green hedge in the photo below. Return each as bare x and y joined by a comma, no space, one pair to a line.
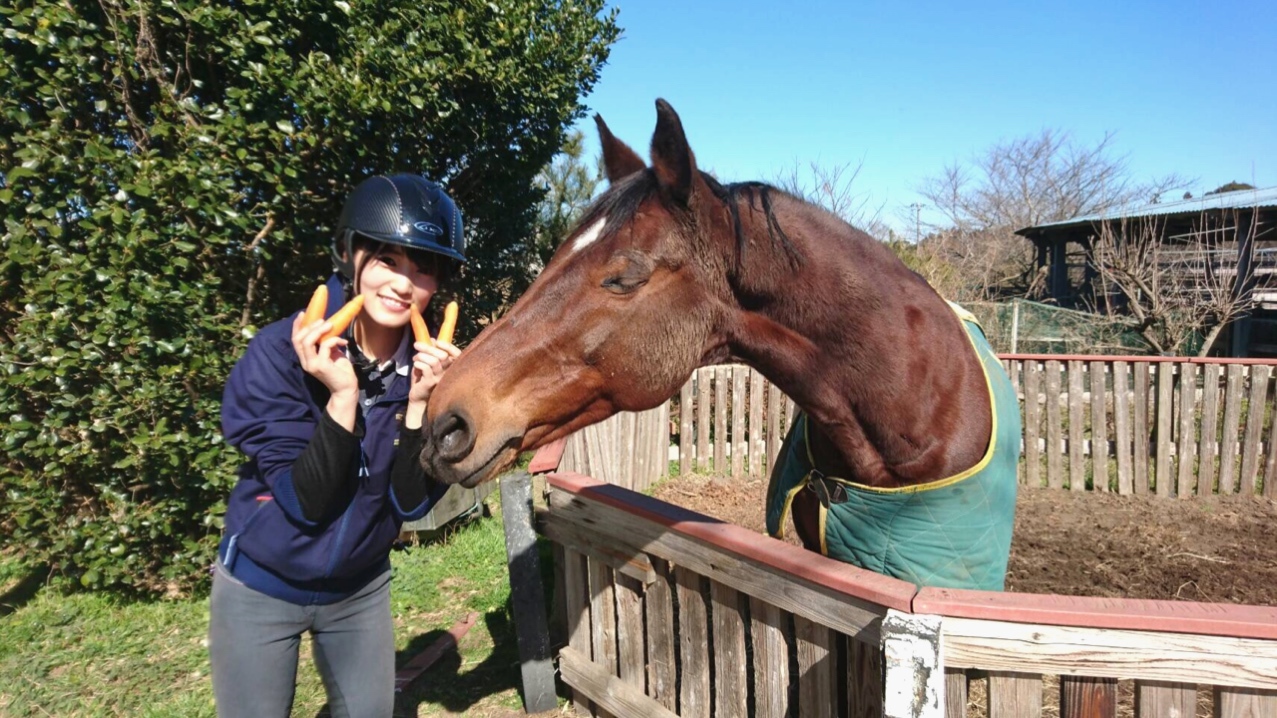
171,172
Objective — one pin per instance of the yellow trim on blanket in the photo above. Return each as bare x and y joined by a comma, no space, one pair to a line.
962,315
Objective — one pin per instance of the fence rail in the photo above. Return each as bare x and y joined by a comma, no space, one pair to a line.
671,613
1171,426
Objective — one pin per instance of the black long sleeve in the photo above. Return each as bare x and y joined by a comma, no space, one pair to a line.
322,474
407,477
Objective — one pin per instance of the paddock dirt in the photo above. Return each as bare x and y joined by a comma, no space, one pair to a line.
1218,549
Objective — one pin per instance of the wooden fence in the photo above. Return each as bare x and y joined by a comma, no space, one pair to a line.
671,613
1172,426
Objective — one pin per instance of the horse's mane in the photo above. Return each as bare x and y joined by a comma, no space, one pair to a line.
622,201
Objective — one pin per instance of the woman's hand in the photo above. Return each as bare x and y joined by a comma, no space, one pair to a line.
428,366
329,364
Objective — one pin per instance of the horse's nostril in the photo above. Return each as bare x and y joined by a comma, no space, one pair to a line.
453,437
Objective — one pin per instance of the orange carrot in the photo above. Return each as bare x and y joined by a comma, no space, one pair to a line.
449,324
318,303
343,317
419,332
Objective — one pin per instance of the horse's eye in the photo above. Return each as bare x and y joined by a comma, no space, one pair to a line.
622,284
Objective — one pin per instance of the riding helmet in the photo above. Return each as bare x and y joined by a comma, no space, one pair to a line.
402,209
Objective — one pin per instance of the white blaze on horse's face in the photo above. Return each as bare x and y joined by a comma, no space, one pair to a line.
590,235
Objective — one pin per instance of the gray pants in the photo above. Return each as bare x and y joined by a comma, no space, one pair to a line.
253,642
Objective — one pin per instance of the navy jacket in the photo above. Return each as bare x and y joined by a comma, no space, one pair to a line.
270,408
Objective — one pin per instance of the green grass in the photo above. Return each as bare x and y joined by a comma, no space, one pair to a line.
87,654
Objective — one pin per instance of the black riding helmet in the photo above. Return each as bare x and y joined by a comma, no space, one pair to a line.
403,209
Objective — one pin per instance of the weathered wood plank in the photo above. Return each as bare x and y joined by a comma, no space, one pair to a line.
740,445
1012,695
704,418
817,669
864,679
693,645
770,637
1122,424
955,693
1087,697
613,551
1228,443
630,636
1254,428
1101,652
1245,703
576,596
1032,424
1165,420
609,692
1209,447
603,616
816,602
775,434
1077,429
731,682
686,430
1186,436
1141,427
658,605
1158,699
722,377
757,435
1099,428
1054,427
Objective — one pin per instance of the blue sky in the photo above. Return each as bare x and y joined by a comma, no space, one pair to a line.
905,88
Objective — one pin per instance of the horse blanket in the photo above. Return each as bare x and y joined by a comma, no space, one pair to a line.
952,533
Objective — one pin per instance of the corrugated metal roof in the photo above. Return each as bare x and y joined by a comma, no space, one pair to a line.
1238,199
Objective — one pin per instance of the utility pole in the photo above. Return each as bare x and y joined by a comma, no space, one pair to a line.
917,222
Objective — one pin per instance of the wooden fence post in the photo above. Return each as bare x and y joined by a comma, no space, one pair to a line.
527,596
914,675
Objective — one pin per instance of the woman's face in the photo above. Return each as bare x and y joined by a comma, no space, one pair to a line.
391,283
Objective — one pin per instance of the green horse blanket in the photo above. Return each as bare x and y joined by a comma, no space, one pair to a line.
952,533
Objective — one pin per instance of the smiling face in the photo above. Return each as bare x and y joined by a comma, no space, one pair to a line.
622,314
391,279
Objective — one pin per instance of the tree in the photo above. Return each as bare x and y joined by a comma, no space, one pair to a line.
570,184
172,175
1178,293
1020,183
1230,187
833,187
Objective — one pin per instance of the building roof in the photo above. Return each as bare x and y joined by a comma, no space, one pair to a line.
1237,199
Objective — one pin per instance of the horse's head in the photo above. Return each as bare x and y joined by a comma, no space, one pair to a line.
617,321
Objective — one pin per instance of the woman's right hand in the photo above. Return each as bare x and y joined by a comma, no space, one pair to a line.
325,360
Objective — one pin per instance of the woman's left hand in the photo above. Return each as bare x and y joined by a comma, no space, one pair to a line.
428,366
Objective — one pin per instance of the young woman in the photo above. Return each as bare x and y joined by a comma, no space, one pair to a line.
331,429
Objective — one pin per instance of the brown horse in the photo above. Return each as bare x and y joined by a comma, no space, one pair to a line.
669,270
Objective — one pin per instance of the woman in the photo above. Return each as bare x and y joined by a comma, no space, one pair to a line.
331,429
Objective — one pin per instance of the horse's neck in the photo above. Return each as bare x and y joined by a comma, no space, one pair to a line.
875,357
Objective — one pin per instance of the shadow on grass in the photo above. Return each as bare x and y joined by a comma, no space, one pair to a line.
447,686
23,591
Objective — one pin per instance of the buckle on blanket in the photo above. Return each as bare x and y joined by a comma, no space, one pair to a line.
827,490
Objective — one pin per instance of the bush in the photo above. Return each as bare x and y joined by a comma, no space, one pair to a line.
172,171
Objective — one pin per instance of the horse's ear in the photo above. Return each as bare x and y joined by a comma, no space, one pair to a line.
672,158
619,161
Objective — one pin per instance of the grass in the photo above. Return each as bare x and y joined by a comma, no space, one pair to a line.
92,654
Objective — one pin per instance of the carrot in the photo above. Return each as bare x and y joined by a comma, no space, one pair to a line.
449,324
318,303
419,332
343,317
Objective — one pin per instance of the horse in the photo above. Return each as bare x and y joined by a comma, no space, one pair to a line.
669,270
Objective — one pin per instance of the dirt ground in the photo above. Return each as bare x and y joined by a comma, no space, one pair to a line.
1217,549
